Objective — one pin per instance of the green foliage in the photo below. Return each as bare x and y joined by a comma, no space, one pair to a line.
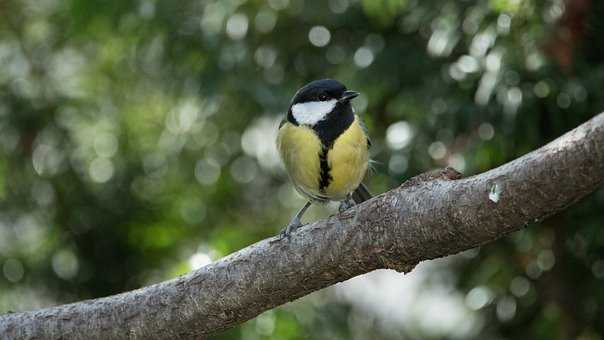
136,143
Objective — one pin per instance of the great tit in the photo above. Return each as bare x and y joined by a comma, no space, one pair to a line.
324,147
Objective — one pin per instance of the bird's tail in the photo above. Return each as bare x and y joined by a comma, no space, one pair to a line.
361,194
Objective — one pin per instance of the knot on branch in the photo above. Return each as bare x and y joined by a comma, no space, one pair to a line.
446,174
401,267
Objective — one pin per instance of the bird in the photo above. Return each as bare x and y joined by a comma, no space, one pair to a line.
324,147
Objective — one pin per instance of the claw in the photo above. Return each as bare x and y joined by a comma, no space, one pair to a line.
346,204
293,225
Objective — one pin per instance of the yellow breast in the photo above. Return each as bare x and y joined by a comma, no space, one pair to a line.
300,150
348,159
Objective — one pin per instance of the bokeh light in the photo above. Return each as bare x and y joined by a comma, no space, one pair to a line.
137,143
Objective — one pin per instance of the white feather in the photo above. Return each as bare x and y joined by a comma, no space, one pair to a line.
310,113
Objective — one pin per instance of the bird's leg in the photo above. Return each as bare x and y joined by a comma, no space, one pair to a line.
296,222
346,203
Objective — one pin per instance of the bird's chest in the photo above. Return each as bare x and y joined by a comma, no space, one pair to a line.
300,150
324,172
347,160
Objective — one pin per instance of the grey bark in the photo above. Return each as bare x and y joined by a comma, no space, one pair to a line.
432,215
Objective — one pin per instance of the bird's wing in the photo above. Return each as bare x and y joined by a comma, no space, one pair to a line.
361,194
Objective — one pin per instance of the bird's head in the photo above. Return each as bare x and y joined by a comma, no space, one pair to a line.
319,99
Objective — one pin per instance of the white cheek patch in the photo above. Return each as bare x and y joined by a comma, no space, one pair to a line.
311,113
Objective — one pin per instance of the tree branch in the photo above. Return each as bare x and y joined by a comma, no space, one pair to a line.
430,216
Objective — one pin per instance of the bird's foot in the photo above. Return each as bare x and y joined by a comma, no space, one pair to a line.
346,204
291,227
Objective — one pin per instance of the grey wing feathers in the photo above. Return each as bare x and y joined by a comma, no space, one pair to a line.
361,194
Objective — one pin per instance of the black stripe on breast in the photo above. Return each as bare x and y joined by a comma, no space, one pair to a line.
325,177
328,130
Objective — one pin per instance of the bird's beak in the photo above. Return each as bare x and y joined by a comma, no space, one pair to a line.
347,96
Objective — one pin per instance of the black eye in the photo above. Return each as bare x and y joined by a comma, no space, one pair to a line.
323,97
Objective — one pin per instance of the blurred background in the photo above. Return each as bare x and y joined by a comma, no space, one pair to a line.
136,144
